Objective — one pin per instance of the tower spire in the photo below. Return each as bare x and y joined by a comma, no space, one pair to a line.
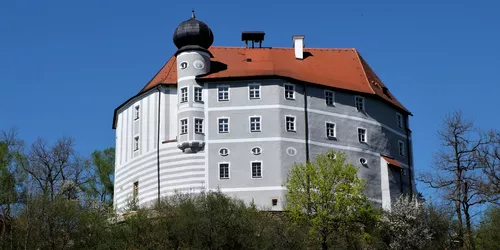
192,14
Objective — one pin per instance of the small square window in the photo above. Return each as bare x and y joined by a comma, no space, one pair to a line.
223,125
184,126
223,93
401,148
198,126
290,123
360,103
184,94
254,91
329,97
362,135
289,91
399,120
274,202
198,94
224,170
256,169
330,130
255,124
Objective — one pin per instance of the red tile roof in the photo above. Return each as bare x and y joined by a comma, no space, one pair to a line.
337,68
392,162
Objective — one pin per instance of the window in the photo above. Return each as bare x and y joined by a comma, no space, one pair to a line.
274,202
256,150
184,126
363,161
135,191
184,65
289,91
223,125
290,123
184,94
360,103
256,169
224,152
255,124
137,112
254,91
329,97
198,125
399,120
136,143
362,135
330,130
401,148
198,94
224,170
223,93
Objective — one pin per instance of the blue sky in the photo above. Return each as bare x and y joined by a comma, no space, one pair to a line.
66,65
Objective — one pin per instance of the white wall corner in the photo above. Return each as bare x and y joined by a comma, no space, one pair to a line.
298,44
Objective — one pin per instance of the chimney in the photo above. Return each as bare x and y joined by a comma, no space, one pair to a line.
298,44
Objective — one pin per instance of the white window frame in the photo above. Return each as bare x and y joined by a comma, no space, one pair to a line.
260,150
362,103
294,123
225,149
366,134
202,125
228,125
228,170
182,95
187,126
333,98
137,112
334,130
261,170
250,123
228,93
135,191
399,120
285,91
201,94
401,148
136,143
258,91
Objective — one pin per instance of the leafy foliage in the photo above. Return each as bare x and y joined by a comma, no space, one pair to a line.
328,195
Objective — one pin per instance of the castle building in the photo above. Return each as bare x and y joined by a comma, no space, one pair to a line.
238,118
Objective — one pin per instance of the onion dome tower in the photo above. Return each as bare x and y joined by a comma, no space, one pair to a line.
192,38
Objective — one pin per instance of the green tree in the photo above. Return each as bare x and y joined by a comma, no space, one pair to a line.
328,195
488,232
102,186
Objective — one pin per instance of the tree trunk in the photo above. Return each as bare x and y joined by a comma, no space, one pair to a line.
470,237
324,240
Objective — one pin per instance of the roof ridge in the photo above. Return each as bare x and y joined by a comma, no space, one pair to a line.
285,48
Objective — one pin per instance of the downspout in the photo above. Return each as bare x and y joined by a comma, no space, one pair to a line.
158,144
306,121
409,155
306,129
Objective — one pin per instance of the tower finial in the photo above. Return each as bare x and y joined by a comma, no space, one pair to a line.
192,14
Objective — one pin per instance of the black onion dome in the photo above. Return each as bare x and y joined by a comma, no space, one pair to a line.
193,33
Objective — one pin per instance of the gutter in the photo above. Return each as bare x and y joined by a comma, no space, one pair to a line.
158,142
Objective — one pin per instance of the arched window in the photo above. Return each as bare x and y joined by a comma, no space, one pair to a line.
224,152
256,150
